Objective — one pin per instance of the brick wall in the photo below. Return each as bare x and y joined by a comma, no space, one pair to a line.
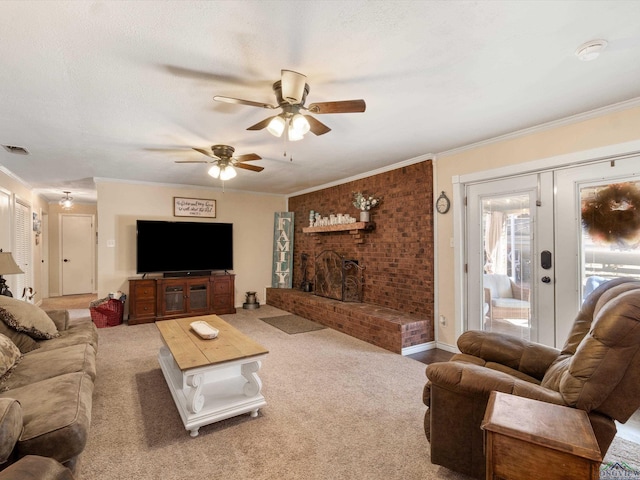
398,254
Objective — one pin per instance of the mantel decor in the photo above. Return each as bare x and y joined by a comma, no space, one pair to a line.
194,207
365,204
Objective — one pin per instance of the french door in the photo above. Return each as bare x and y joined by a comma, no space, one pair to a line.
509,278
537,244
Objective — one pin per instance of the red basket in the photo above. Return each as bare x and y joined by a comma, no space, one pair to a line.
108,314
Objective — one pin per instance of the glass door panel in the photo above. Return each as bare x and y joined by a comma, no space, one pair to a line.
507,246
598,235
610,238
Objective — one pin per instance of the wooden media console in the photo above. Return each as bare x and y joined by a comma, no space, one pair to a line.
161,298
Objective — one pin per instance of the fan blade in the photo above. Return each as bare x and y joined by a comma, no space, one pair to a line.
239,101
344,106
205,152
247,158
262,124
192,161
316,126
248,166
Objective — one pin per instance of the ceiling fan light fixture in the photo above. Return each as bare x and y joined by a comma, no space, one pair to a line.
227,173
294,135
66,202
276,126
292,86
214,171
300,124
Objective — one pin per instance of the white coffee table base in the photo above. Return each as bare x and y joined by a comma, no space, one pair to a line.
208,394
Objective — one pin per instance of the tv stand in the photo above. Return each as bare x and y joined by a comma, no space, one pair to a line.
164,298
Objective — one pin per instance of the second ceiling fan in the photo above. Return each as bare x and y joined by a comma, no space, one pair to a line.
291,93
224,161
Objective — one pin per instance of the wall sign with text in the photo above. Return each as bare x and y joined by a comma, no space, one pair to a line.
194,207
282,269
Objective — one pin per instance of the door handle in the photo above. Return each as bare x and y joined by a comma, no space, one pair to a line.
546,280
66,260
545,259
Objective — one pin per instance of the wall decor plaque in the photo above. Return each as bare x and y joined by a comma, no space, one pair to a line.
194,207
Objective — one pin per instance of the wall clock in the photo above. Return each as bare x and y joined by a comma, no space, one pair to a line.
443,204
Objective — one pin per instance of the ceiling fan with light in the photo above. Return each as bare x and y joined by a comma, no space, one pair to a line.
291,93
224,163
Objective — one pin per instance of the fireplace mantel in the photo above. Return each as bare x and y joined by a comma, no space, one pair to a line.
351,227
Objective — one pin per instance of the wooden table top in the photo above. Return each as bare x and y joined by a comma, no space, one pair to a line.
553,426
191,351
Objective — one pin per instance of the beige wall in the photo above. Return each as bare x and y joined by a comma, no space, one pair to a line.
17,189
121,204
545,147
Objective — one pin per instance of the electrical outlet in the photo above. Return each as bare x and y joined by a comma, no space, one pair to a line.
443,320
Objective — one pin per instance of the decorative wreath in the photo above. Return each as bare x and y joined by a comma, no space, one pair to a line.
613,215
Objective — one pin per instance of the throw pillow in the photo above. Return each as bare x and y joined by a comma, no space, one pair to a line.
23,341
29,318
9,355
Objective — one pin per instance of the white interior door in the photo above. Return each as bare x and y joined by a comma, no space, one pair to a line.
78,254
510,281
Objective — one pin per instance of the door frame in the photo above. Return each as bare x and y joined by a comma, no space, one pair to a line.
580,158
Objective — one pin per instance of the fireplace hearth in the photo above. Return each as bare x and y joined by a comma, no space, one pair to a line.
337,277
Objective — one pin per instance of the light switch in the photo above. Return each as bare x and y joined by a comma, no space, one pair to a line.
111,243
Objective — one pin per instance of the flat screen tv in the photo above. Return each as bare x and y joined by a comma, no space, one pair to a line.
183,248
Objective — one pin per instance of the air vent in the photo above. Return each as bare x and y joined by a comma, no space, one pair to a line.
16,150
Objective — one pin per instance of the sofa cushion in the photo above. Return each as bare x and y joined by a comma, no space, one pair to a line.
23,341
56,415
41,365
509,303
34,467
28,318
9,355
10,426
77,333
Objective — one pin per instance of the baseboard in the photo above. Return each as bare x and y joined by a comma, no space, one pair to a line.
423,347
447,347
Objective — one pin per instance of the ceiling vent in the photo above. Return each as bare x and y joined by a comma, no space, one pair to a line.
16,150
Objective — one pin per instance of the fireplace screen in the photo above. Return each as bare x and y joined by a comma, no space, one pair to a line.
338,278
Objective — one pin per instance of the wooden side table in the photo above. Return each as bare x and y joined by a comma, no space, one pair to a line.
527,439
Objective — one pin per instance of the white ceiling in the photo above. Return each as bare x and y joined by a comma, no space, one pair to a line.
121,89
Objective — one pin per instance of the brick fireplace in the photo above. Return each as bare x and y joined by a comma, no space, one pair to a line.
397,252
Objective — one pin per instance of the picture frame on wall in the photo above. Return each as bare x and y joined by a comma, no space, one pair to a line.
194,207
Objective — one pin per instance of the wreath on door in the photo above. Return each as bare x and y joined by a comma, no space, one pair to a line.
613,215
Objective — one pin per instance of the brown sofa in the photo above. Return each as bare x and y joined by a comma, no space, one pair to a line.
46,399
597,370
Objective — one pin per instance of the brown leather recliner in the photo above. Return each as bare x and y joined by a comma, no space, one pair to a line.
597,370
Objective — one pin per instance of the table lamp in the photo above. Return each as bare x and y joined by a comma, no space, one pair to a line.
8,266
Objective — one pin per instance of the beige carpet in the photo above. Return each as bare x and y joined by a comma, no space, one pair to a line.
292,324
337,408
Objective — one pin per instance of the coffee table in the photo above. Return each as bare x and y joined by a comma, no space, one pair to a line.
210,380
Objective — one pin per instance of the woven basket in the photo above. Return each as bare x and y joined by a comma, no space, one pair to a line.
107,314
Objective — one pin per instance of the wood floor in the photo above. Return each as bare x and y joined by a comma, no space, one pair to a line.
68,302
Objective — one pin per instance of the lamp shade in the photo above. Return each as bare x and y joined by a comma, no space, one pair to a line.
300,124
228,173
8,266
214,171
292,86
276,126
